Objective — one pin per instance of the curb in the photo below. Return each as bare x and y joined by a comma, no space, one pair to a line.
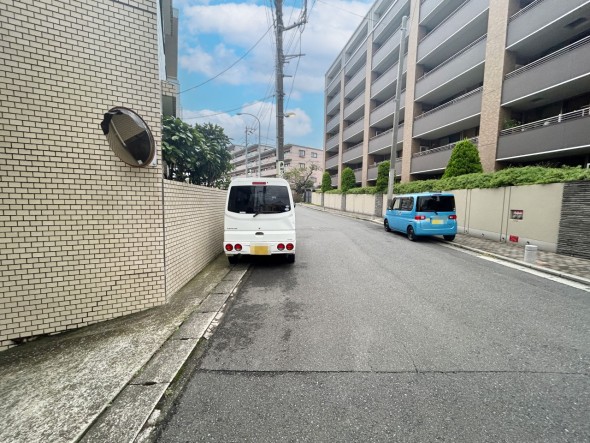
134,414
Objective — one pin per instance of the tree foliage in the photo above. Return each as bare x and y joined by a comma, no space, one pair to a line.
382,176
300,178
348,179
464,160
197,154
326,181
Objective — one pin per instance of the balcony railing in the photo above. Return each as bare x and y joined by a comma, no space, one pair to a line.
353,153
548,58
332,142
453,57
566,133
332,161
355,81
353,129
580,113
524,10
456,26
355,105
388,46
565,69
448,147
449,103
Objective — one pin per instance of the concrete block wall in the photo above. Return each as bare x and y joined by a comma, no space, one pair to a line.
574,226
194,230
81,236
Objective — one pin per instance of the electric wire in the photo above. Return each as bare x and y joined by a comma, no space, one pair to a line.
229,67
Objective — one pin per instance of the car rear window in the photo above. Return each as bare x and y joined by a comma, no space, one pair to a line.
251,199
436,203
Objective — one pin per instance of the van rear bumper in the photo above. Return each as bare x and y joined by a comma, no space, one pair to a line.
251,244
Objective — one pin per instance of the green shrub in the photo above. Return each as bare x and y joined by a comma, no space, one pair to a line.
464,160
366,190
333,191
348,180
326,181
383,176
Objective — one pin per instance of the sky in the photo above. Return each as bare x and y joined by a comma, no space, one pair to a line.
226,53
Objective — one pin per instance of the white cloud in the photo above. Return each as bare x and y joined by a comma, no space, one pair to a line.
218,35
297,125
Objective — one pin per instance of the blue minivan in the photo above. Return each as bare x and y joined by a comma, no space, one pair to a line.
428,213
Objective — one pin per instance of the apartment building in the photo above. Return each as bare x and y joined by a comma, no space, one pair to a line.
295,157
511,75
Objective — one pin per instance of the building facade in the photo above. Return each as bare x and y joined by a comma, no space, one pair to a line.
511,75
81,231
295,156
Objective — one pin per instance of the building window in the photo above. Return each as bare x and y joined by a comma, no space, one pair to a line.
314,155
302,165
301,153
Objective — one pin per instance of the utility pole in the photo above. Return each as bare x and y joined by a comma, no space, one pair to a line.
246,153
398,91
280,61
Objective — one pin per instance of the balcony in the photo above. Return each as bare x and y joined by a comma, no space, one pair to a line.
543,24
354,132
467,23
556,76
333,124
333,104
435,11
332,162
382,115
358,59
335,180
332,143
386,25
358,174
356,84
354,109
383,87
381,143
433,160
333,86
352,154
566,134
454,116
388,53
463,70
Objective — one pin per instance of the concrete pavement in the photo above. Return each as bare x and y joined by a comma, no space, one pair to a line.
102,383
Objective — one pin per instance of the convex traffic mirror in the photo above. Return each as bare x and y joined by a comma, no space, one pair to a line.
129,137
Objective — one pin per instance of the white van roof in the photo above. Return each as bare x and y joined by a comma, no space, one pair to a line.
241,181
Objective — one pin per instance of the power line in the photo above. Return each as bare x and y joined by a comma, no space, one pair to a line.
229,110
230,66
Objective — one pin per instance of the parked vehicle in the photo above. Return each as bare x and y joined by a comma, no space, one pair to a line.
259,219
428,213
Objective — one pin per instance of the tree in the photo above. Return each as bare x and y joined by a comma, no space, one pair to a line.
326,181
300,179
464,160
382,176
348,179
196,154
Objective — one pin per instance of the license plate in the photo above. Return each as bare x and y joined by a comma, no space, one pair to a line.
437,221
259,250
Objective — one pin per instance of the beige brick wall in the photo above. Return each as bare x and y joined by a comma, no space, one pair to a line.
81,235
194,230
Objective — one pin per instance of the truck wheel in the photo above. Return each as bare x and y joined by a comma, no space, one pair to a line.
233,259
290,258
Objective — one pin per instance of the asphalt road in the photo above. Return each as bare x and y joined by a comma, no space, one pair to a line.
371,337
